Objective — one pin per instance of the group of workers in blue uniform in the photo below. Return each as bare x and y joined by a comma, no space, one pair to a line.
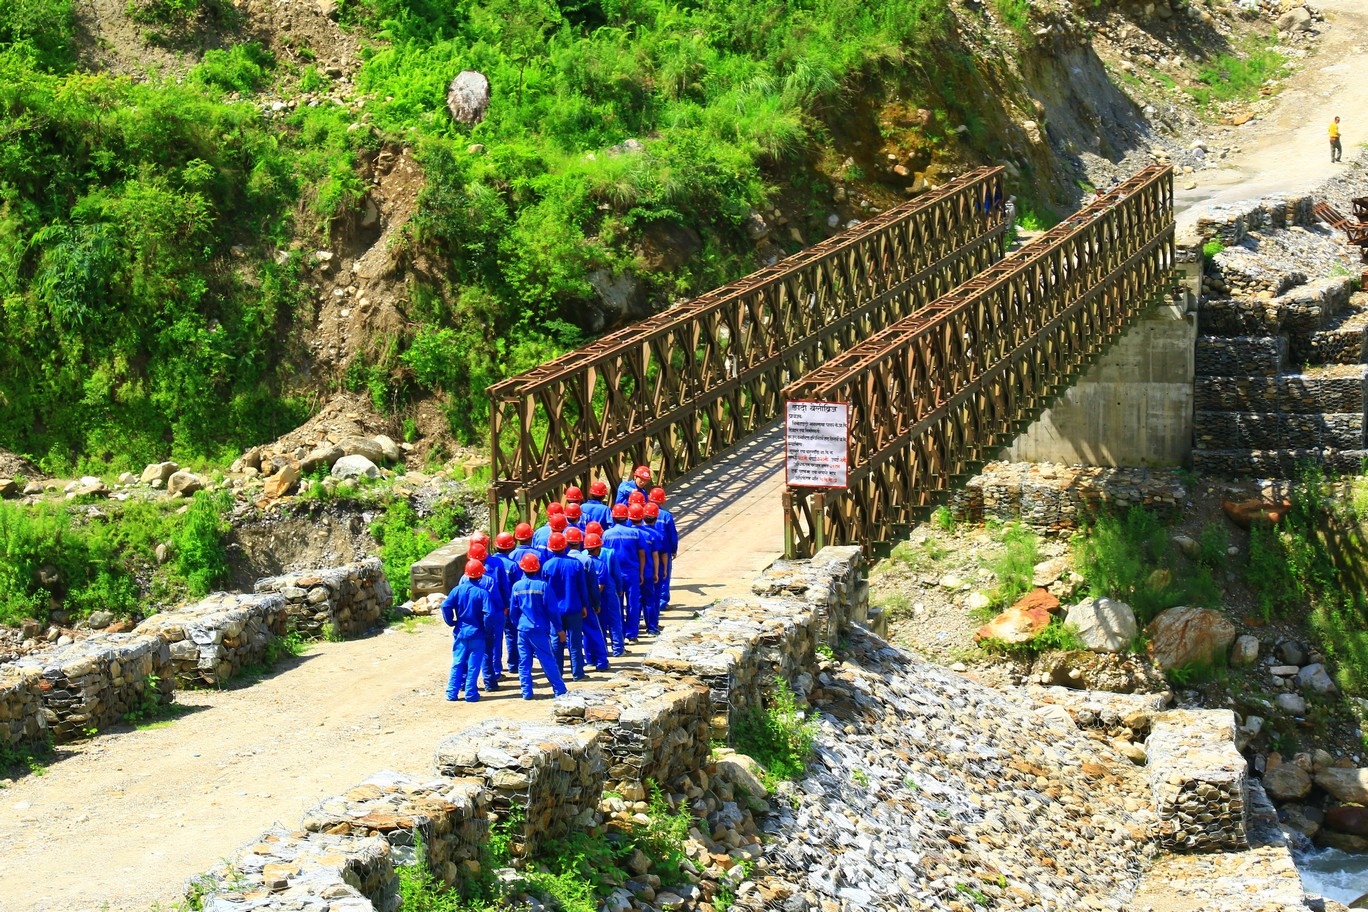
582,584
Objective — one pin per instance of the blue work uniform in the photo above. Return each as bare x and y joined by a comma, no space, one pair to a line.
625,540
568,591
497,568
537,621
542,537
625,491
610,603
510,625
652,542
464,611
596,511
516,556
595,644
670,533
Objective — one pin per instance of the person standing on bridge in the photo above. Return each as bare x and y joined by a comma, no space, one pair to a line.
665,522
630,565
594,509
595,644
640,481
524,534
555,522
496,583
504,543
465,610
568,593
537,620
610,613
1336,150
655,550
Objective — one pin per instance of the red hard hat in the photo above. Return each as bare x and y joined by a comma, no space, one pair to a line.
556,542
480,537
598,489
642,472
593,540
573,495
573,535
636,497
505,541
474,569
657,495
619,511
477,551
573,512
558,522
523,532
652,510
529,563
636,511
553,508
593,528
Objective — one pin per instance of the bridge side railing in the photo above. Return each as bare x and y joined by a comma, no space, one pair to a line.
934,395
680,387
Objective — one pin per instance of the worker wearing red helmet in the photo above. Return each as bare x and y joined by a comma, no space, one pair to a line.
640,481
651,545
665,522
523,535
538,619
555,522
465,610
595,645
495,581
629,558
610,614
574,517
568,591
502,557
594,509
573,495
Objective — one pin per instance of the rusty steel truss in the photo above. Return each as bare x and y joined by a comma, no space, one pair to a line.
677,389
935,394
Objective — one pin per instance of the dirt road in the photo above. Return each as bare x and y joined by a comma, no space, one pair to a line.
1288,151
122,821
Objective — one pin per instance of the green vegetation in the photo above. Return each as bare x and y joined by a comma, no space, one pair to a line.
86,563
1239,76
1129,558
32,759
777,737
1210,249
1014,566
1198,673
943,519
404,539
1056,636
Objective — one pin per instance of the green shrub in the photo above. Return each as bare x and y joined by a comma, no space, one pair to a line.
1129,559
1210,249
82,563
405,540
201,557
776,737
1014,566
1239,76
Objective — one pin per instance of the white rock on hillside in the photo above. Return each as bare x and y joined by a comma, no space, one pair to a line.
355,467
1104,624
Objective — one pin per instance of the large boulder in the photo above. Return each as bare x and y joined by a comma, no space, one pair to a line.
363,446
1185,636
468,97
282,482
743,771
1287,782
1348,819
1245,651
1316,679
1297,19
388,447
8,488
1037,598
1014,626
1104,625
325,455
357,466
1249,513
184,483
159,471
1347,785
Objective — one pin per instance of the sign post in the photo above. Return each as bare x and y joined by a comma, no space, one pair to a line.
817,444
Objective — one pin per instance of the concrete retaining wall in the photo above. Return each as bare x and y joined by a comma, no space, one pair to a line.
212,640
348,600
97,681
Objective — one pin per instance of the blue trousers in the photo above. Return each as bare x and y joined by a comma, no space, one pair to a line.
511,644
493,659
573,623
610,621
631,597
650,604
537,643
663,587
595,647
467,656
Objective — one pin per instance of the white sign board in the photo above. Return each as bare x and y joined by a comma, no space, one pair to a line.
818,444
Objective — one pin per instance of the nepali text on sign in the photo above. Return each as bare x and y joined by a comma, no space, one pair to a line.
818,444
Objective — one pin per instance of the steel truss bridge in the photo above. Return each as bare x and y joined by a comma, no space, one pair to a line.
943,348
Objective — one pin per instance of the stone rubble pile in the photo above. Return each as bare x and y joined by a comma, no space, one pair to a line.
348,600
1198,780
1052,498
212,640
652,729
833,581
552,774
23,723
449,818
97,681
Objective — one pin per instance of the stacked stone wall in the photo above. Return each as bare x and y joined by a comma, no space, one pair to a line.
553,775
23,723
1057,498
1198,781
214,639
348,600
99,680
1232,224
